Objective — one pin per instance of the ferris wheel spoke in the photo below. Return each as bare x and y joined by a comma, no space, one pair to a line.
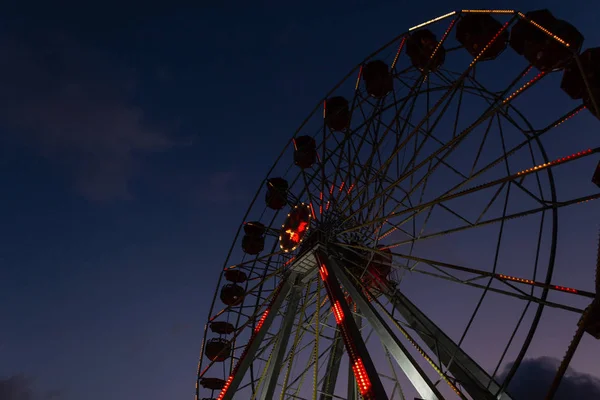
453,143
416,210
433,155
415,89
413,371
476,274
521,214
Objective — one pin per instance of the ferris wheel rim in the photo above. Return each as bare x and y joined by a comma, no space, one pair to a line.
551,262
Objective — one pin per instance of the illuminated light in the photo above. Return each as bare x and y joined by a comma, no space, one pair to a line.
321,209
555,162
362,378
489,11
515,279
288,262
350,189
295,145
294,229
525,86
327,206
337,312
324,108
398,52
565,289
342,186
431,21
224,390
321,196
312,211
323,272
546,31
358,78
489,43
261,321
442,39
331,190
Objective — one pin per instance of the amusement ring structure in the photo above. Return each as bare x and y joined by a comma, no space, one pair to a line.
422,173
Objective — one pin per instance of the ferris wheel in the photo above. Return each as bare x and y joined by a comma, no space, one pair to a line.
404,242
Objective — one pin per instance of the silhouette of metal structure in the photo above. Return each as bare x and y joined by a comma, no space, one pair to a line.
411,152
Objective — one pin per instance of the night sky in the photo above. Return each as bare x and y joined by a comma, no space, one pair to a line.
132,140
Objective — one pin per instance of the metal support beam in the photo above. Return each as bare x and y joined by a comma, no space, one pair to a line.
353,393
407,363
256,340
470,375
274,367
333,367
371,387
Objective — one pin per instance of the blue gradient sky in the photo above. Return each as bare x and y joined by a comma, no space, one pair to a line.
131,142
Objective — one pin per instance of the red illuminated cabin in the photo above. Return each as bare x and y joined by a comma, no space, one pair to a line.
542,51
218,349
277,192
378,79
222,327
420,46
212,383
475,31
232,294
253,241
305,151
337,113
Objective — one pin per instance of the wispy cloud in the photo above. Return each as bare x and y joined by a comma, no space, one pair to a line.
534,377
76,108
20,387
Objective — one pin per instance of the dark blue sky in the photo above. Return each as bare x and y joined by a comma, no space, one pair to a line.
131,141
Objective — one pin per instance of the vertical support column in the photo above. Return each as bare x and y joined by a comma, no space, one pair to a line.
256,339
274,366
407,363
353,393
476,381
369,384
333,367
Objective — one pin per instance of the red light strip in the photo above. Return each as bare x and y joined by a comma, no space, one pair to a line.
288,262
360,373
312,210
546,31
489,43
362,378
225,387
525,86
568,117
398,52
556,162
261,321
342,186
245,352
338,313
534,283
358,78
